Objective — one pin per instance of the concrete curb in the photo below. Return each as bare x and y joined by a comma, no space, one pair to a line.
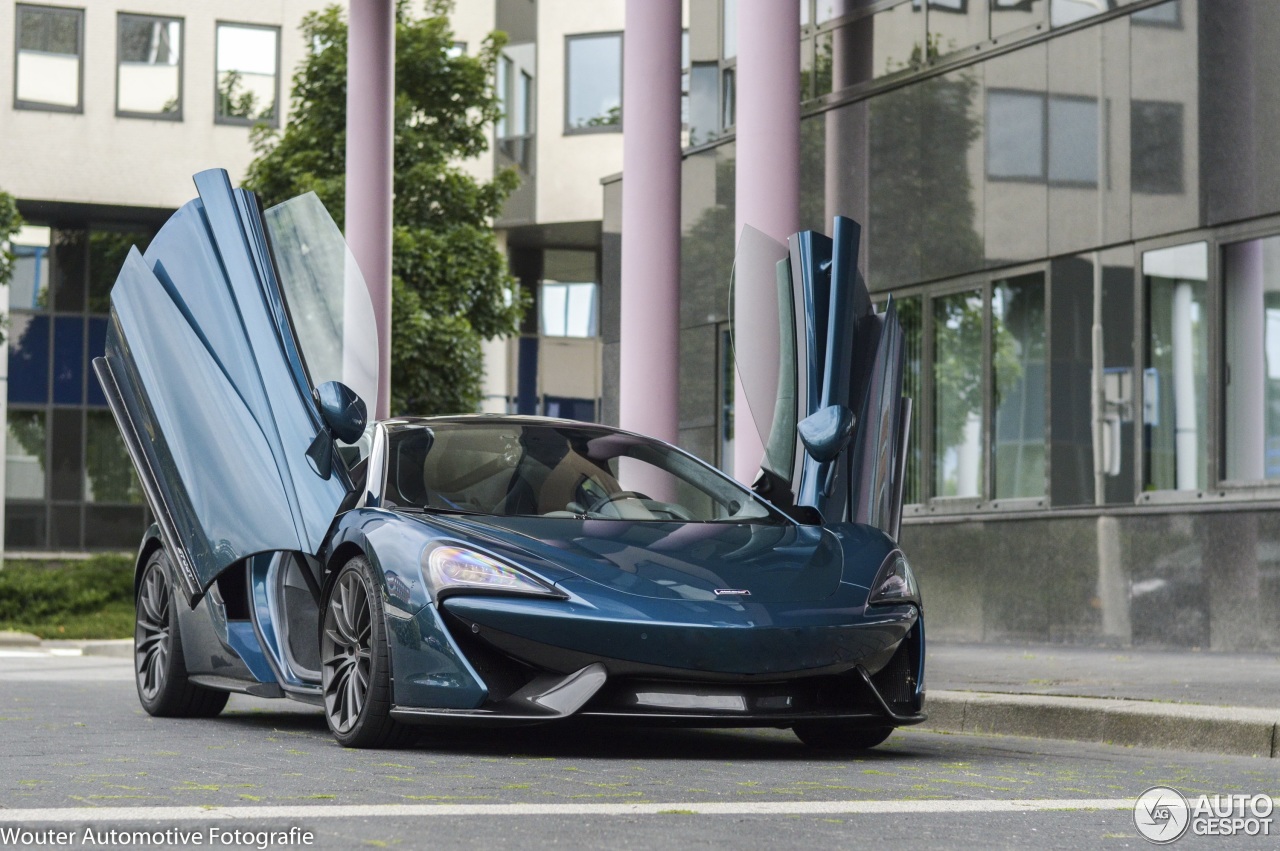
1232,730
120,648
9,638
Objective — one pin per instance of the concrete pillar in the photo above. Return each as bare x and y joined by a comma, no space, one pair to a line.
768,166
650,311
371,51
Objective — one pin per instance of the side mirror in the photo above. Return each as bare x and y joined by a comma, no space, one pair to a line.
345,417
826,433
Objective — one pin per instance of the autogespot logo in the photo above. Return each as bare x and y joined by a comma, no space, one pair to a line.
1161,814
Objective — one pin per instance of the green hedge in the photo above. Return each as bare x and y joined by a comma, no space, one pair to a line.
88,599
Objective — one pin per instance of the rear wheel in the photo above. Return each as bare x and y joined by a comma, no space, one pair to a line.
834,735
355,661
159,668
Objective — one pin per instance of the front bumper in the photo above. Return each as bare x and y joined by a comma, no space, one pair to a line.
510,660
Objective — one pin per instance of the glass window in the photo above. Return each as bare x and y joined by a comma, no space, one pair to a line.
956,24
30,281
1155,165
957,394
246,66
1073,140
149,70
108,473
704,102
1018,374
1174,402
66,455
1009,16
67,273
728,98
594,82
28,358
1252,341
503,85
24,456
568,305
569,310
1015,135
25,526
1166,14
560,471
911,315
684,79
68,360
1064,12
48,67
107,252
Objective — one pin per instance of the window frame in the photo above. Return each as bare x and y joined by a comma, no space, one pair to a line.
569,129
40,106
1045,177
233,121
924,411
176,115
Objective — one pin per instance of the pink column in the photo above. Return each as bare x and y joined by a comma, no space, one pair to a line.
371,50
768,162
650,311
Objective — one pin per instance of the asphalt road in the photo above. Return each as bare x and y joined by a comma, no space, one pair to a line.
77,752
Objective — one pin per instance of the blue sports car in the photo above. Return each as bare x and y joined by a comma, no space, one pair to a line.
500,569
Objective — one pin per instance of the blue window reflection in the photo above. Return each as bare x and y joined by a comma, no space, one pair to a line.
68,360
97,348
28,358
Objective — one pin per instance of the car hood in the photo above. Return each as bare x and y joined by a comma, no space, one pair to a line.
690,561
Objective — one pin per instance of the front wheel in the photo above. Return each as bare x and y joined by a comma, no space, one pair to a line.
834,735
160,670
355,661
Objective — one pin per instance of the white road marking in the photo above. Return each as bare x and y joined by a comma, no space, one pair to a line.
66,651
64,815
21,654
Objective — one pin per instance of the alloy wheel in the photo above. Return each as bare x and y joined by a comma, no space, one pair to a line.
151,637
346,650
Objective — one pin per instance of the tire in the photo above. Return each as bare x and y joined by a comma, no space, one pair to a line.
834,735
160,671
355,663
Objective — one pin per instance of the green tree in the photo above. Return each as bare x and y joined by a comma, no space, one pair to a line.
451,288
10,221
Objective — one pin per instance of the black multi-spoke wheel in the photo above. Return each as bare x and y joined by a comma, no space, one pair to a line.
159,669
835,735
355,664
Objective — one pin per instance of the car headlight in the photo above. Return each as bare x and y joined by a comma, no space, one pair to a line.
449,568
894,583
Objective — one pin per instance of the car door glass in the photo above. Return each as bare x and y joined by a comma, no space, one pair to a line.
326,295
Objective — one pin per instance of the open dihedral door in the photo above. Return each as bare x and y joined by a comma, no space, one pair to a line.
825,388
204,375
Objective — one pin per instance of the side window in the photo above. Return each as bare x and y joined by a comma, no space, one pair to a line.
49,70
149,67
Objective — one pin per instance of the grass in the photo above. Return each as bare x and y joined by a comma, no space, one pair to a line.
88,599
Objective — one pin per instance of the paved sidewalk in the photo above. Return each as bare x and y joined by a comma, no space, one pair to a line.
1185,700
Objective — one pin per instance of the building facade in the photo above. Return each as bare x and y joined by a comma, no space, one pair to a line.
1073,204
112,107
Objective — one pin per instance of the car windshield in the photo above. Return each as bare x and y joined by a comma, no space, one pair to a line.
554,470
